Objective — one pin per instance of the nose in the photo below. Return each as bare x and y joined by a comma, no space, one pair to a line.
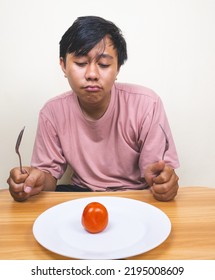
92,72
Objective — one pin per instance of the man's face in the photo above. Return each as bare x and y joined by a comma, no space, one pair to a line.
92,76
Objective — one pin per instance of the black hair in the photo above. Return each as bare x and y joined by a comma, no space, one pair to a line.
88,31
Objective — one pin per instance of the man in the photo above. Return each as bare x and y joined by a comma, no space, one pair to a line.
111,134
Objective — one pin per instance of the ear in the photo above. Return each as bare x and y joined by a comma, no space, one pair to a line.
62,64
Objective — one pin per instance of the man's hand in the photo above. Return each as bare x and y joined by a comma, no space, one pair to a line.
22,186
163,181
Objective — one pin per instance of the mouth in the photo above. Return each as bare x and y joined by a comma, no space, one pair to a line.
92,88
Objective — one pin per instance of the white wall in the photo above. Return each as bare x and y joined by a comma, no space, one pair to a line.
171,48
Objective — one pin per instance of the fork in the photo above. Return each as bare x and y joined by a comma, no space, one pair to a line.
166,142
19,139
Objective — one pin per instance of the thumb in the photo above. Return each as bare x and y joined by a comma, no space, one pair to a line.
29,184
157,167
153,170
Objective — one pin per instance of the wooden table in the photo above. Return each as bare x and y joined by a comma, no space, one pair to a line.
192,215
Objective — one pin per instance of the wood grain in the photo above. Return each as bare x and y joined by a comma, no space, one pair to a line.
192,215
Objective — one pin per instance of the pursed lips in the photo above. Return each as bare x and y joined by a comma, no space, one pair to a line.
92,88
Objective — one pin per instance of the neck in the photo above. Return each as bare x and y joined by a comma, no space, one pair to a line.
95,111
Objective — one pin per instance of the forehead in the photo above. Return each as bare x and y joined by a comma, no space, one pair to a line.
104,49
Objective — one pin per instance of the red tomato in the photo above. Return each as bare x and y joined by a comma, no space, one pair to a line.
94,217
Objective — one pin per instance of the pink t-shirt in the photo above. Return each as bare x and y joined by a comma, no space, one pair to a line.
110,152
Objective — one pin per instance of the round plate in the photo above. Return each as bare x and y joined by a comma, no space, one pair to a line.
134,227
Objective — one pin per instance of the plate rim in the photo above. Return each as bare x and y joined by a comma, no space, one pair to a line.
98,198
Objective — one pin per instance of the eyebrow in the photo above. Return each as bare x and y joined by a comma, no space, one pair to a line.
99,56
104,55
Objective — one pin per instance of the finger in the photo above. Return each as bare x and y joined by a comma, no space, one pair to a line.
17,176
167,191
18,196
164,175
25,171
21,185
157,167
167,185
14,186
166,196
153,170
31,185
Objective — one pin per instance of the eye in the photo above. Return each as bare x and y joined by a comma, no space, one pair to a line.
102,65
81,64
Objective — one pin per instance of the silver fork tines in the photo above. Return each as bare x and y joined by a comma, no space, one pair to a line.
166,142
19,139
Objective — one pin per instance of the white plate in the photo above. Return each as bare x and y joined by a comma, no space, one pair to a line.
134,227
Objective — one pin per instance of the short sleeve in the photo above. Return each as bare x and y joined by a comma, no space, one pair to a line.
152,138
47,152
